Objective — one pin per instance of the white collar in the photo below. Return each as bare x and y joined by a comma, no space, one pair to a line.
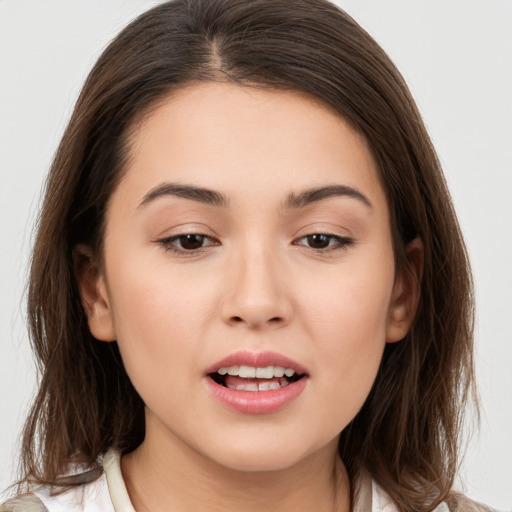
116,485
109,494
368,496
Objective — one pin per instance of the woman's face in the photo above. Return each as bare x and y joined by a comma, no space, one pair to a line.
249,234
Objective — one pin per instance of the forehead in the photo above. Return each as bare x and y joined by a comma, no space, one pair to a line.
223,136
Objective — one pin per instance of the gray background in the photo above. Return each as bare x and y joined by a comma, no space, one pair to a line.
457,58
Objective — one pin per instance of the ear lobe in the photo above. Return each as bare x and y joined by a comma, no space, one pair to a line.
93,293
406,293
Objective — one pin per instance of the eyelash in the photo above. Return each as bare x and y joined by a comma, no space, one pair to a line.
335,243
169,244
340,242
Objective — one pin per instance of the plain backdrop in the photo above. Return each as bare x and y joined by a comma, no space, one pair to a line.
457,58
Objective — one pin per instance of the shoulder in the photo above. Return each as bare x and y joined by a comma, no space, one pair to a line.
95,490
84,492
369,496
23,503
457,502
92,496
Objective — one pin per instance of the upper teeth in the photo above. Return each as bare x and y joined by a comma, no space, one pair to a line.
260,372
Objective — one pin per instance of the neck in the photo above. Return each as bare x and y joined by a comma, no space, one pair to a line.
171,476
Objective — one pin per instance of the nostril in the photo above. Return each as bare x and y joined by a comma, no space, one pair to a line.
273,320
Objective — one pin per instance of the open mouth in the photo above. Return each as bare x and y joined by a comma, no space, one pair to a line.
251,378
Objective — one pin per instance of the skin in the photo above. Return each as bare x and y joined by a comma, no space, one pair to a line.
256,284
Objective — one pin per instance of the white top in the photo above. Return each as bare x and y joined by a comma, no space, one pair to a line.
108,494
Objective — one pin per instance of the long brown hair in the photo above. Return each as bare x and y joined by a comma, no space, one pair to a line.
407,433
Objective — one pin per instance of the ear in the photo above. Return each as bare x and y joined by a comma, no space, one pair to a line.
406,293
93,293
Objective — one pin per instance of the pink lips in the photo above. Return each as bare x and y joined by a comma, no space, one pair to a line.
256,402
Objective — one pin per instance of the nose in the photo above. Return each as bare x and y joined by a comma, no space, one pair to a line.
257,295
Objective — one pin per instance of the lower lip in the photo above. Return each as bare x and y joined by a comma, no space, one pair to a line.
256,402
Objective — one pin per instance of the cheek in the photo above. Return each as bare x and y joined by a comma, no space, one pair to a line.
350,311
158,318
348,320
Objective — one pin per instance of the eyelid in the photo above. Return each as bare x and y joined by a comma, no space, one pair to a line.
343,242
340,234
168,243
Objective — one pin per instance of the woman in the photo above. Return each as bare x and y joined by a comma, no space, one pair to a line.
246,198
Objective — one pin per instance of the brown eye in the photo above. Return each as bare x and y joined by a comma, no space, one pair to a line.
191,242
187,243
318,241
323,242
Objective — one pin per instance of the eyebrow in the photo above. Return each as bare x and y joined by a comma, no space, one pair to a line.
218,199
313,195
199,194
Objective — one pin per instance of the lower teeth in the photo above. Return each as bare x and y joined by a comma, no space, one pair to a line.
263,386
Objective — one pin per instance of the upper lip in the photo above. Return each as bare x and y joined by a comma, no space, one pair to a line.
258,360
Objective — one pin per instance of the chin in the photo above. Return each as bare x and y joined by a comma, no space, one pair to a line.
279,455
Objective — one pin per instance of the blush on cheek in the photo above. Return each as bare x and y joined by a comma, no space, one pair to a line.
351,312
